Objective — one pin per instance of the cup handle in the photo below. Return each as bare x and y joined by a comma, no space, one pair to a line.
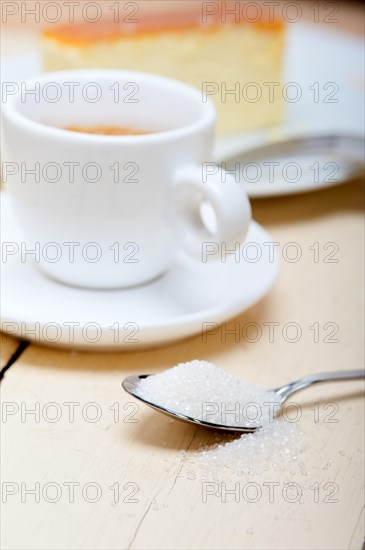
227,199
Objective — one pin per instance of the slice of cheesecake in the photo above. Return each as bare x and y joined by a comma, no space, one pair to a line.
235,62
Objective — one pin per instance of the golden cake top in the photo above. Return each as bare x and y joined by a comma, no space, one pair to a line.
151,23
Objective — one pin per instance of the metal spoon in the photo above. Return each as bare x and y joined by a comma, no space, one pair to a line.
130,385
346,147
323,160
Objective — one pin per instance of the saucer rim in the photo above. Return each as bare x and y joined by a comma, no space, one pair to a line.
161,332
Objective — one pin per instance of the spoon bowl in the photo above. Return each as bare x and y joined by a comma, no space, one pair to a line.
130,385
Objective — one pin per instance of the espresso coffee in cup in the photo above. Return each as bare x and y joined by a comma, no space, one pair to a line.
107,130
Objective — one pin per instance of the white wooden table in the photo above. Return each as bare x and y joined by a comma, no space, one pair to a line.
133,471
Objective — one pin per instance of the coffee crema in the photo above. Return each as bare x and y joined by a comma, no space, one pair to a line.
107,130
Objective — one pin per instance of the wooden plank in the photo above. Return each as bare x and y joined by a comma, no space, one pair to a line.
171,512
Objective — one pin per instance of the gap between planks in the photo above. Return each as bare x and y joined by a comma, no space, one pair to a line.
23,344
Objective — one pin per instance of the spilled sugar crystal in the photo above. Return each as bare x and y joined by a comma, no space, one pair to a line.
204,391
269,448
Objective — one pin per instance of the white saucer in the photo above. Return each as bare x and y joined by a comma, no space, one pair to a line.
173,307
314,54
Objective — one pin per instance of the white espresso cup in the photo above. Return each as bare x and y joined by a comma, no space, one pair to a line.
103,211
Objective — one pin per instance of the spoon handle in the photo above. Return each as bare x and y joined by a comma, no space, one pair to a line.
286,391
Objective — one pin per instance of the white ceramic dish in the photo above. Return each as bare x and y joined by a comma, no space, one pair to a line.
172,307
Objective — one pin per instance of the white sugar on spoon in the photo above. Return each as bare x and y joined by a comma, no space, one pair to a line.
202,393
205,392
